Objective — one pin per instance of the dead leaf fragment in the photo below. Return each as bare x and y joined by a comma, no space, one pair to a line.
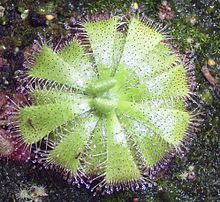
206,73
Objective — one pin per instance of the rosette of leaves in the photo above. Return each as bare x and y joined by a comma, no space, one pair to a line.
109,106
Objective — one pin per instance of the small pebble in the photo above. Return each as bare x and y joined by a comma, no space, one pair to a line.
193,20
2,47
191,168
211,62
49,17
16,50
2,11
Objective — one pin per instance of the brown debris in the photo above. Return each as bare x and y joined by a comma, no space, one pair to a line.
8,106
3,62
20,99
3,107
3,100
98,17
11,147
165,11
136,199
6,146
30,50
10,144
189,174
206,73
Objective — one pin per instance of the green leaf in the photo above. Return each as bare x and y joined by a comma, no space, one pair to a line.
150,144
119,43
96,157
49,65
172,83
168,103
67,153
140,40
170,124
43,96
101,35
73,52
158,60
120,163
128,86
36,122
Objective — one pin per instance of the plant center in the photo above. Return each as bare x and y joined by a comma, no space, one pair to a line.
104,97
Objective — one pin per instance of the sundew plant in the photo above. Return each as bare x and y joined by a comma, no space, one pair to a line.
108,109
